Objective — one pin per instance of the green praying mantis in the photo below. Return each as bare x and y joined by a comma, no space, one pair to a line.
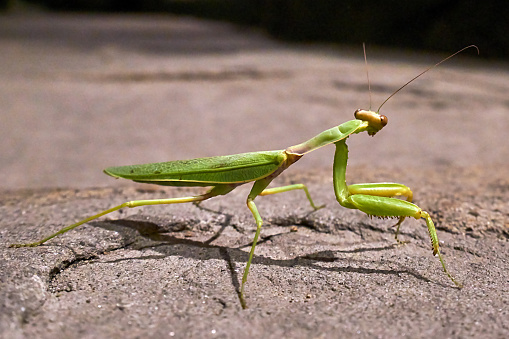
225,173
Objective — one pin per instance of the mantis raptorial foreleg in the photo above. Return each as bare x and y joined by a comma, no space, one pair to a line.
376,199
385,189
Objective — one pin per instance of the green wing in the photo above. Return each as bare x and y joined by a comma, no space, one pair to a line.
227,169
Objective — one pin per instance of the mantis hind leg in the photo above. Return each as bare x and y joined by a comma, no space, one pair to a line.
216,190
389,190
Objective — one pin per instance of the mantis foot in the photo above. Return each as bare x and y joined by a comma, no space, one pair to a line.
33,244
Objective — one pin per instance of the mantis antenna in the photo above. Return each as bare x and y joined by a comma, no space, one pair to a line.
429,68
367,73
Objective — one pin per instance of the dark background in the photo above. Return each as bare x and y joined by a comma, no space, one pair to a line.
440,25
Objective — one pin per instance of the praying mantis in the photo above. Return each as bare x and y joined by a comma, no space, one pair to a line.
224,173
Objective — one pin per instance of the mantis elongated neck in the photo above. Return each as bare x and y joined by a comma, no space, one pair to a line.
329,136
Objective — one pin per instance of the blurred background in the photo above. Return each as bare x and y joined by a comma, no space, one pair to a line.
89,84
441,25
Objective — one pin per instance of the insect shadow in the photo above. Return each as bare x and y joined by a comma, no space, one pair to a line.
163,241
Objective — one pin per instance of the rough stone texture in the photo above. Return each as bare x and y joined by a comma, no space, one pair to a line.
80,93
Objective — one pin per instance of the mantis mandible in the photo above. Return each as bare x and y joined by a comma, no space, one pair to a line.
225,173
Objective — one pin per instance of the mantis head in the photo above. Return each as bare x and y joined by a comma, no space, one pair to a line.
375,121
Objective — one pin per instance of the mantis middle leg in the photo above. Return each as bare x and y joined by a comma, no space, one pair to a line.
259,188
